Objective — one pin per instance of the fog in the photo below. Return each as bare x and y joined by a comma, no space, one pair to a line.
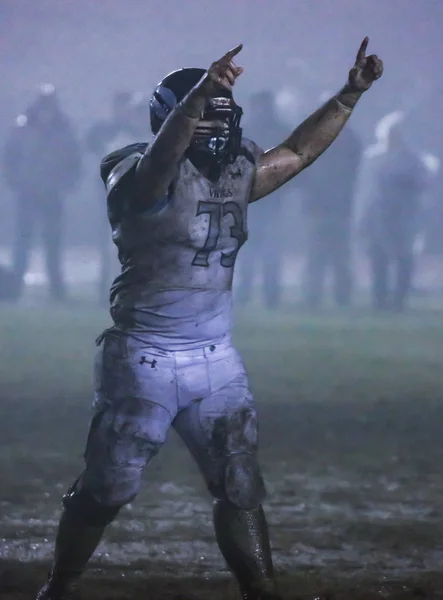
88,50
337,292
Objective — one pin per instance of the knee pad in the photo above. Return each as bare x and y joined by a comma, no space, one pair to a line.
82,504
243,483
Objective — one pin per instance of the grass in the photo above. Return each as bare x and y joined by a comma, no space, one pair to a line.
351,416
44,352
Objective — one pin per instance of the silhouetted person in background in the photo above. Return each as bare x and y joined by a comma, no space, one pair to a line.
8,284
264,251
391,223
433,222
41,164
327,207
103,137
107,132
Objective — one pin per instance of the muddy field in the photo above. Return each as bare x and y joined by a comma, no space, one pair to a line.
351,447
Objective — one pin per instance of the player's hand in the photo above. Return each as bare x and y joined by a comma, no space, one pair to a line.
223,73
365,70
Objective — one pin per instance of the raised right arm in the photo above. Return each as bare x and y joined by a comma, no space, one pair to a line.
157,168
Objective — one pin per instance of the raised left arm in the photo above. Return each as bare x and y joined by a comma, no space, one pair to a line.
318,131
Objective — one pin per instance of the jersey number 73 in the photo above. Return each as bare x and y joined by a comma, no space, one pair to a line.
217,212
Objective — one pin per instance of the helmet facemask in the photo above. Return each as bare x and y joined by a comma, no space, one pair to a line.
219,135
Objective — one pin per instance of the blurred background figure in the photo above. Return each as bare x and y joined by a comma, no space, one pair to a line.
41,165
107,132
328,193
263,255
433,218
8,284
127,123
139,117
104,136
393,214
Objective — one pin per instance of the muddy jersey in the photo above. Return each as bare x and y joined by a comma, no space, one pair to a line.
178,257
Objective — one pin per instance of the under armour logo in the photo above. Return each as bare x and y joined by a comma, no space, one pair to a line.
143,361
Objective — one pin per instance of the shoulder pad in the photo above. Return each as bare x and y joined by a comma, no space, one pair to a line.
121,169
116,164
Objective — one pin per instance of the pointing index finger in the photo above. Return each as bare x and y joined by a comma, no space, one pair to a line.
362,50
229,55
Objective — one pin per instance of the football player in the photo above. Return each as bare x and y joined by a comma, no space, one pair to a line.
178,212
